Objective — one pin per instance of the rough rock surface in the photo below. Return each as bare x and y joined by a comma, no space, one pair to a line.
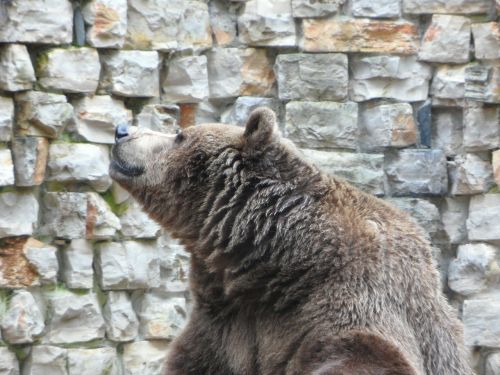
469,174
486,40
174,265
136,223
454,214
9,365
379,9
448,6
482,322
447,131
77,260
121,322
16,70
30,159
19,214
482,220
6,118
186,80
6,168
46,359
98,361
144,357
107,20
310,9
481,130
482,83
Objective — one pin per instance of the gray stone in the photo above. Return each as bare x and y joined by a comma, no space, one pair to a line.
37,21
454,212
186,80
120,195
308,9
131,73
136,223
446,40
395,77
449,82
322,124
481,319
73,318
45,359
23,321
18,214
79,163
195,32
96,118
6,118
312,76
483,224
65,215
128,265
469,174
379,9
145,357
421,172
447,132
98,361
486,40
159,117
267,23
43,260
30,159
121,322
9,365
16,70
174,265
362,170
223,17
70,70
448,6
101,223
6,168
77,260
481,129
108,23
492,366
238,113
468,273
387,125
42,114
495,161
482,82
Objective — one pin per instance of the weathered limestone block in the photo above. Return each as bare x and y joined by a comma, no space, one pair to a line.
446,40
77,260
79,162
379,9
145,357
131,73
121,322
267,23
415,171
359,35
481,130
96,118
449,82
496,166
311,9
42,114
15,270
16,70
137,224
161,317
486,40
107,20
98,361
482,82
454,212
448,6
9,365
73,318
312,76
186,80
469,174
6,118
447,132
492,366
37,21
43,260
18,214
64,215
195,31
23,321
366,171
159,117
387,125
70,70
101,222
30,159
482,224
45,359
238,113
223,22
128,265
396,77
481,319
322,125
236,72
174,265
468,273
6,167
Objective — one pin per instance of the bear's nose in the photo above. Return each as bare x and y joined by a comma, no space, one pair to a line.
121,131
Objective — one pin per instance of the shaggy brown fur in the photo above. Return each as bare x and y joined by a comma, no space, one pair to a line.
292,271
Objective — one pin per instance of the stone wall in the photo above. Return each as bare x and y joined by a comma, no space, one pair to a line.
401,98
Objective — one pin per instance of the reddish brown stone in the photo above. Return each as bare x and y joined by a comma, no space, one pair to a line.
187,115
257,73
15,270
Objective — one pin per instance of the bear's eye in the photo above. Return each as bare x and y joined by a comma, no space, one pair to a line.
179,138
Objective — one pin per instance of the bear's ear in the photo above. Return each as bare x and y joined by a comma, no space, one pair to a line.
261,127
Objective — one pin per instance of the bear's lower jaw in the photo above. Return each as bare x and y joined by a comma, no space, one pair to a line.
124,169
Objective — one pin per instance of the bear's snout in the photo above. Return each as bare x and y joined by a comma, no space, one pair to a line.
121,131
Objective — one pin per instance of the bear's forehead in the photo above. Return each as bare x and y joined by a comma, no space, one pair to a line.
216,131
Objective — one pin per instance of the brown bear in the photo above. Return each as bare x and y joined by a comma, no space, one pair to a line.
292,271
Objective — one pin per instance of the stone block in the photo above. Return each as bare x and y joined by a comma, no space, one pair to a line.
238,113
447,130
107,20
454,212
101,222
128,265
469,174
492,365
77,271
419,172
481,130
145,357
121,322
23,321
131,73
359,35
16,70
387,125
18,214
482,223
486,40
98,361
379,9
137,224
97,117
6,168
312,77
37,21
449,82
195,31
6,118
43,260
30,159
42,114
9,365
15,270
469,272
159,117
72,70
395,77
322,125
481,319
79,163
223,23
267,23
65,215
311,9
482,82
365,171
496,166
46,359
446,7
446,40
174,265
186,80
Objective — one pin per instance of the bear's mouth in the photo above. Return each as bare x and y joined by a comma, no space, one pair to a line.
126,169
